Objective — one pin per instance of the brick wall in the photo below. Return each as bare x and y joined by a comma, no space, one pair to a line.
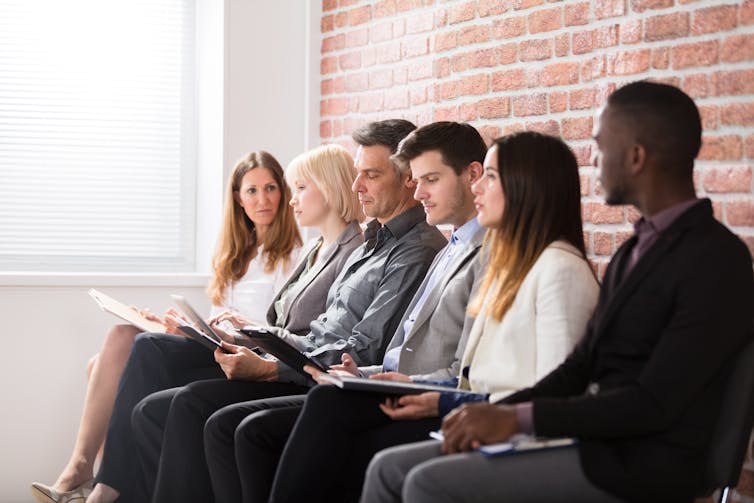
508,65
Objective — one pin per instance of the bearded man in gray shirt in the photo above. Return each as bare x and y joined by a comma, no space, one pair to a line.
364,304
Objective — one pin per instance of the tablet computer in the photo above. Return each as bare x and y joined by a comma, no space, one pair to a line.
281,349
192,315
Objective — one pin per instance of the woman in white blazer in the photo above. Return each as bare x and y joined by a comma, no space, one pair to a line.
531,308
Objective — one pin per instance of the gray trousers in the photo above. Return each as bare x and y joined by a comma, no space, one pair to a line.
420,473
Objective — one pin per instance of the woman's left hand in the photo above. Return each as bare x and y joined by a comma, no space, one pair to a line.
412,406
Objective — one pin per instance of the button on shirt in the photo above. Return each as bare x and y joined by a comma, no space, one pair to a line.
458,240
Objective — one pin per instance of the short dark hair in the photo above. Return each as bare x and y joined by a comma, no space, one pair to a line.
459,144
663,119
388,133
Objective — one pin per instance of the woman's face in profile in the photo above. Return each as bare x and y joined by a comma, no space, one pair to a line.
489,200
308,202
259,196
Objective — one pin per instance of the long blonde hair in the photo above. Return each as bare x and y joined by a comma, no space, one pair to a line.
540,179
237,244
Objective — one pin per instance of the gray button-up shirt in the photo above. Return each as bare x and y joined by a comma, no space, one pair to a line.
367,300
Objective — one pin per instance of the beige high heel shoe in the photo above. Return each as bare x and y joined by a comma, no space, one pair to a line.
46,494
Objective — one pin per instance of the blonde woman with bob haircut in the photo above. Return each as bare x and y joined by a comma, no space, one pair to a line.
258,244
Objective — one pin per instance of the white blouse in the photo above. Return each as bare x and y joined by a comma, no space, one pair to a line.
252,295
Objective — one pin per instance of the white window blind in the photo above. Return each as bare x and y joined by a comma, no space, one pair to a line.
97,166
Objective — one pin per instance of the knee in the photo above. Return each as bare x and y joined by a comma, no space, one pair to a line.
422,485
118,343
90,366
218,431
324,396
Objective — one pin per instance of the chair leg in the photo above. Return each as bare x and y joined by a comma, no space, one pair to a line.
724,494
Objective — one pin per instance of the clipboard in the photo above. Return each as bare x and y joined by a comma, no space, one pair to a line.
281,349
195,317
386,387
124,312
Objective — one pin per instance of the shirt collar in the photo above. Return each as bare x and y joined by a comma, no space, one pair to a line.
465,232
401,224
664,219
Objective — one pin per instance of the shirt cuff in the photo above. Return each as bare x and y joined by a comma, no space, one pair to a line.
525,417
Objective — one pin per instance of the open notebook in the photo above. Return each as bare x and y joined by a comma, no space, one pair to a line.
385,387
519,443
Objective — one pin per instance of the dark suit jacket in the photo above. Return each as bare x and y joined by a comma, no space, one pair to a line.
641,390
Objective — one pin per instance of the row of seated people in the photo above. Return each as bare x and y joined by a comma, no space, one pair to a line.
508,309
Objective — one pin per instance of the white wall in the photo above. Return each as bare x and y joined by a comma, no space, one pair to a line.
257,93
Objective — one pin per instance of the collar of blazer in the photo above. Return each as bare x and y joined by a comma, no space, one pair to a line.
618,291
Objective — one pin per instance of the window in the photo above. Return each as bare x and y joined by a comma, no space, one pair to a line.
97,135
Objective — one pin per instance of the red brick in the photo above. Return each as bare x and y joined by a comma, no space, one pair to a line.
356,82
513,127
560,74
733,82
368,56
737,48
420,70
708,114
461,62
332,86
399,27
740,213
417,94
335,106
749,240
325,129
328,65
441,18
336,43
341,19
747,12
666,26
642,5
388,53
474,35
489,133
449,90
400,76
599,213
383,8
562,44
396,99
576,13
609,8
622,236
606,36
750,146
721,148
349,61
445,41
629,62
407,5
533,50
337,127
486,8
737,114
360,15
530,104
509,27
583,41
583,153
370,103
725,179
584,182
545,20
467,112
603,243
380,79
380,32
494,108
483,58
593,68
632,214
508,80
577,128
442,68
550,127
582,99
348,3
526,4
420,22
631,31
327,23
558,101
713,19
717,210
533,76
446,113
357,38
461,13
475,84
695,54
696,85
507,53
329,5
415,47
660,58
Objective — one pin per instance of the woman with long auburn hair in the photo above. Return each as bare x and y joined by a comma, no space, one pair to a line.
531,307
259,242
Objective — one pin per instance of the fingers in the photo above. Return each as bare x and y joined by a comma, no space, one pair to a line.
316,374
346,359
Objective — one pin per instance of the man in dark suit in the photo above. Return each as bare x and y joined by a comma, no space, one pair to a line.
642,389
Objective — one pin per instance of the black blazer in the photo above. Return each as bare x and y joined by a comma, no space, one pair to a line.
642,388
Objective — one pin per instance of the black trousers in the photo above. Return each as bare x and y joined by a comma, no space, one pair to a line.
156,362
332,440
169,428
261,451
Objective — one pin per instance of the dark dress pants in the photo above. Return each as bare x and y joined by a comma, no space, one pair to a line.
262,451
156,362
169,427
331,444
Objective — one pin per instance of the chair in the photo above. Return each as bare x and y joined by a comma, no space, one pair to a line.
734,425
